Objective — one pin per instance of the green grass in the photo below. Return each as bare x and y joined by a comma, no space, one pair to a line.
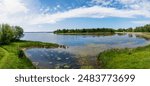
9,54
137,58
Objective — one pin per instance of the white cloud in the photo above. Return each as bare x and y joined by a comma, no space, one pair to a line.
141,22
16,12
12,7
58,6
128,1
89,12
136,4
102,2
131,4
11,10
121,1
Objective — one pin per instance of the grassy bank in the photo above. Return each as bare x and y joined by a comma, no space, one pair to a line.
126,58
9,54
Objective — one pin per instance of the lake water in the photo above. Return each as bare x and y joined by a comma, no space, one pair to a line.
82,50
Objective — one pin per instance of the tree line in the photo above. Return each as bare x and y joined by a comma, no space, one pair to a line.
10,33
145,28
92,30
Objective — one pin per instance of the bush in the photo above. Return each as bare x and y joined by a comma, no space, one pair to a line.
10,33
20,53
18,32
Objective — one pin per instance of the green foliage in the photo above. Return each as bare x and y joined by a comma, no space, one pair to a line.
6,34
18,32
125,30
145,28
93,30
129,29
10,33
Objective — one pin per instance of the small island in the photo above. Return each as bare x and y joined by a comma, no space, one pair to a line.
88,31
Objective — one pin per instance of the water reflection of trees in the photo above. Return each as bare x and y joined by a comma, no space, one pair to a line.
98,35
142,36
85,35
121,34
130,35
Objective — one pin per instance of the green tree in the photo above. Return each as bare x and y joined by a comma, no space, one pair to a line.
9,33
18,32
129,29
6,34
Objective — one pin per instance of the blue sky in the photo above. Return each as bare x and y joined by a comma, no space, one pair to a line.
49,15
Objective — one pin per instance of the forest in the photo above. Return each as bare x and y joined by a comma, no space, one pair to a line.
92,30
145,28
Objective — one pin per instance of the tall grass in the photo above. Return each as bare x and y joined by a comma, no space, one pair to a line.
138,58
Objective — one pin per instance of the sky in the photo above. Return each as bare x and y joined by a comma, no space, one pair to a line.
50,15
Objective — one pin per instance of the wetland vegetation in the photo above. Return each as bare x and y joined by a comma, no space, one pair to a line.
137,58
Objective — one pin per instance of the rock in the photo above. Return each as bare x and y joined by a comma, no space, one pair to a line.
66,66
58,58
36,63
50,62
67,58
57,66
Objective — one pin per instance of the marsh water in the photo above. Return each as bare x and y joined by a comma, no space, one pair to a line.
81,50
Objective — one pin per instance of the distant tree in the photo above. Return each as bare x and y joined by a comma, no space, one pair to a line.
129,29
84,30
145,28
121,30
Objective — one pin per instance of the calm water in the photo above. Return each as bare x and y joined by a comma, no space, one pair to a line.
82,50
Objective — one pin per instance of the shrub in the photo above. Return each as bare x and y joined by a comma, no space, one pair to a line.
10,33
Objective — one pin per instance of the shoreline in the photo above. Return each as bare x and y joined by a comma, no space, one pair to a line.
11,55
126,58
13,58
